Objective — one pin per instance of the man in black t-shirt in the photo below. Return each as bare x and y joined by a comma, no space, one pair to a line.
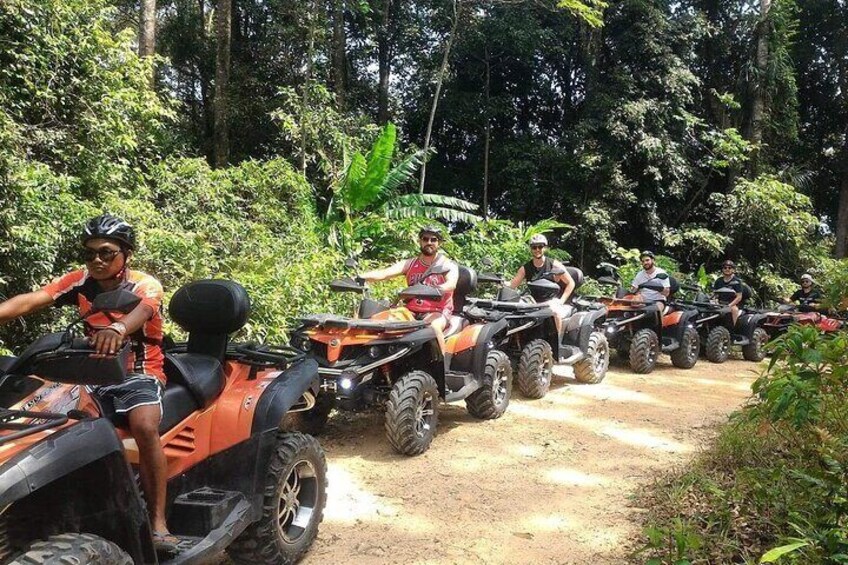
728,279
807,297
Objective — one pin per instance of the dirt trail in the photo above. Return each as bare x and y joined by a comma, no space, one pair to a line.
550,482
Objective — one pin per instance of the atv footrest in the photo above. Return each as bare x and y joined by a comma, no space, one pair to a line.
459,385
570,354
669,344
739,340
231,510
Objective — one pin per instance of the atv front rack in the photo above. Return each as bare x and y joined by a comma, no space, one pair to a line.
329,321
40,421
507,306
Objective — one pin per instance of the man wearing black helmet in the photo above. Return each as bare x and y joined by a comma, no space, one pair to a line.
431,268
107,247
728,279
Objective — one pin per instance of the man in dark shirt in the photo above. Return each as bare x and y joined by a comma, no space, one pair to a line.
807,297
728,279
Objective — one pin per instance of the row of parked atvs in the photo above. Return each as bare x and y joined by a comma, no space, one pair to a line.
244,475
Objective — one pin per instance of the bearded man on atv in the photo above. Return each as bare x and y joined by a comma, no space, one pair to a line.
540,264
107,247
728,279
431,268
649,272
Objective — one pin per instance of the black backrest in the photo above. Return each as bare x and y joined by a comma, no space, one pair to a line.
673,286
210,310
465,285
747,292
577,275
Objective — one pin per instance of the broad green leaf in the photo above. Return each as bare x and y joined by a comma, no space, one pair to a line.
776,553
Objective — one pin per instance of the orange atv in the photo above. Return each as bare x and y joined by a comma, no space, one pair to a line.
387,359
640,329
236,481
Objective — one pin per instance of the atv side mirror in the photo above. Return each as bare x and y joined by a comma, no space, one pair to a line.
661,276
607,267
487,262
727,293
351,263
543,284
608,281
489,278
690,286
653,285
421,291
120,301
556,271
346,284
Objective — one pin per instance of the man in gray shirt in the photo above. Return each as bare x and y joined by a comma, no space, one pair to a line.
649,272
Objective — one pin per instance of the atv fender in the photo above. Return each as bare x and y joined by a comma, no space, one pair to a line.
50,487
490,334
747,323
687,318
579,327
283,393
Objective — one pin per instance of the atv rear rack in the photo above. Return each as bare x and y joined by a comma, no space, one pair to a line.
40,421
339,322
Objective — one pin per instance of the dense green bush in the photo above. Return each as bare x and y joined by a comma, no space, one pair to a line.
774,483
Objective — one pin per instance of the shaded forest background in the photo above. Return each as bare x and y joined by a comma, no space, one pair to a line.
256,139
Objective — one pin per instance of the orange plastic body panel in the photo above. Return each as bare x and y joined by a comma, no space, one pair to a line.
466,339
672,318
203,433
337,339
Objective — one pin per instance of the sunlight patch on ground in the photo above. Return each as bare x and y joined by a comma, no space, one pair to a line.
347,501
616,394
573,477
738,385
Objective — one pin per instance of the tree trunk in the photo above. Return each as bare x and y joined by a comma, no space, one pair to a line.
223,18
439,80
339,68
758,87
307,82
384,58
147,31
208,124
842,214
487,138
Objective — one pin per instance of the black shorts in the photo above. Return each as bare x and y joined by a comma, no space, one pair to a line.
138,390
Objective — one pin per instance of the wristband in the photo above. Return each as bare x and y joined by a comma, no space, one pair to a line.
118,327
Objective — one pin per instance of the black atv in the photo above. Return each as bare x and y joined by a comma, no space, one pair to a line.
237,482
719,335
536,338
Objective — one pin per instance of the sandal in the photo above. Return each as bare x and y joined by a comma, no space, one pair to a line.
165,542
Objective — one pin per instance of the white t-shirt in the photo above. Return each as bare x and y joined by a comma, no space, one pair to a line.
647,293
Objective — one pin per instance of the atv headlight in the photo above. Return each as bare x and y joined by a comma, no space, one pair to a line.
347,380
611,329
375,352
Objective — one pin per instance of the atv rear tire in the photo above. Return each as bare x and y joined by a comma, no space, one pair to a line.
755,351
73,548
718,345
412,413
312,421
492,398
685,356
644,350
593,368
535,369
295,492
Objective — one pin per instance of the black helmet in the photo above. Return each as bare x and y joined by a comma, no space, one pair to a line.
647,253
433,229
108,226
728,263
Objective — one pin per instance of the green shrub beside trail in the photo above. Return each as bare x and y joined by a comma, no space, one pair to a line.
774,486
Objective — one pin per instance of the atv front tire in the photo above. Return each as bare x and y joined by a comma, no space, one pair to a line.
719,342
492,398
295,492
73,548
644,350
686,355
755,351
312,421
593,368
412,413
535,369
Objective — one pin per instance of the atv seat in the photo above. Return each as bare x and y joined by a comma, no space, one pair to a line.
465,285
210,311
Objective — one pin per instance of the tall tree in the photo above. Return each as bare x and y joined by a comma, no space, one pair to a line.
384,60
338,73
758,84
223,24
147,31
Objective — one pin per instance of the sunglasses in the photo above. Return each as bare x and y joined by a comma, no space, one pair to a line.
104,254
727,268
537,246
426,239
